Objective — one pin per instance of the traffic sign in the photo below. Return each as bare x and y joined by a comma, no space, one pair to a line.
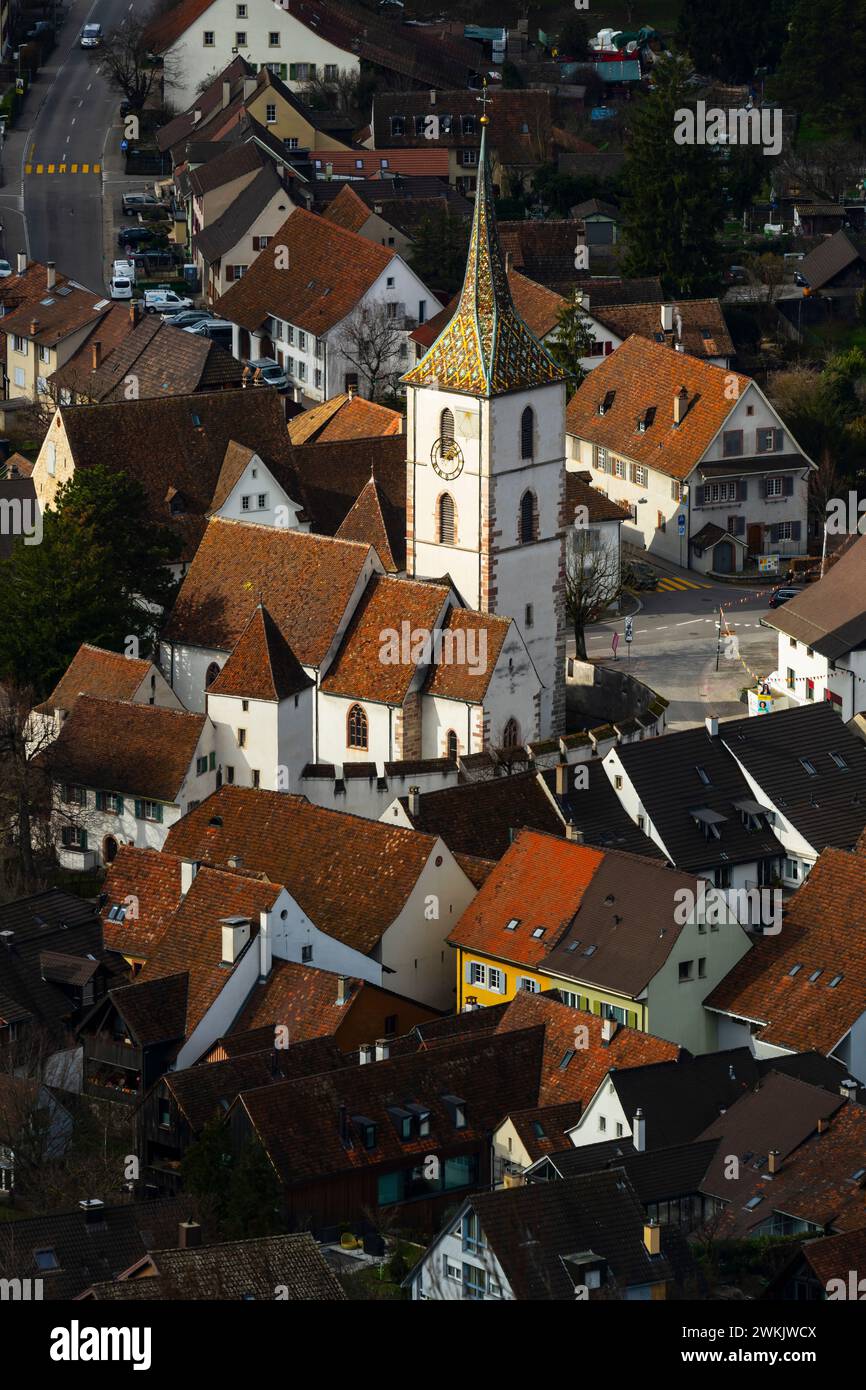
124,146
681,524
629,634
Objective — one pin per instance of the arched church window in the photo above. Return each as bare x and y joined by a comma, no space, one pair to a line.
527,518
527,433
446,427
447,520
356,728
511,734
451,748
211,674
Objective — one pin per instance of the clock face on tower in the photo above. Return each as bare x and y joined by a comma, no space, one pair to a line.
446,457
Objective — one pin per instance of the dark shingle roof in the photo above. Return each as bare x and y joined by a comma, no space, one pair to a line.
48,921
830,258
264,1267
220,236
597,812
829,616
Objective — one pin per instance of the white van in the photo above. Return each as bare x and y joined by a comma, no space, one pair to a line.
126,268
121,287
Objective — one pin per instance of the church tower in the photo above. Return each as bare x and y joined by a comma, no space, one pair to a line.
486,463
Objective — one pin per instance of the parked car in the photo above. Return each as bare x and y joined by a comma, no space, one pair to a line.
91,36
154,258
121,287
124,268
163,301
268,372
134,236
641,576
782,595
5,270
736,275
218,330
134,203
127,107
41,30
800,280
187,318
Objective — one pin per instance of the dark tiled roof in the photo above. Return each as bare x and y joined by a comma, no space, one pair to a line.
597,812
210,1088
239,1269
237,161
118,746
704,331
479,818
829,616
333,474
831,258
828,808
657,1175
664,774
679,1099
224,233
48,921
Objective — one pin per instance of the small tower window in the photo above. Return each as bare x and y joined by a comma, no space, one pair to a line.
447,520
356,728
527,433
446,427
511,734
451,745
211,674
527,518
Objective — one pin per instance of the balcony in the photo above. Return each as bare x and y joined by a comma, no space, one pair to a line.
81,860
120,1095
105,1048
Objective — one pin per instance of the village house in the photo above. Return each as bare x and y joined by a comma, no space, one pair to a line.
387,210
713,477
41,335
226,246
106,676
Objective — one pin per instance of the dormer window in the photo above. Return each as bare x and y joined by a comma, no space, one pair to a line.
366,1130
605,405
456,1109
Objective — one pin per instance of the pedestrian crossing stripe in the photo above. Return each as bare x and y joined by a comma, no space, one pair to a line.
63,169
672,584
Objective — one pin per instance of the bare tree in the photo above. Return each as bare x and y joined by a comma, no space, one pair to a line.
127,61
372,340
25,794
593,579
342,93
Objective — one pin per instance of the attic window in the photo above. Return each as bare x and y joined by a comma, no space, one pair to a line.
645,420
538,933
117,913
605,405
590,950
513,924
367,1130
538,1129
572,945
860,1173
566,1059
815,975
215,820
839,760
46,1259
196,420
704,776
794,970
809,767
457,1110
753,1202
837,979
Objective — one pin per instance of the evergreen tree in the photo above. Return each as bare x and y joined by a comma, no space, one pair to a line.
206,1169
823,68
672,206
730,39
438,252
254,1206
98,575
572,342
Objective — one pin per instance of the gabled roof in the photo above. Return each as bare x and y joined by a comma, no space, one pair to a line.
118,746
807,985
97,671
262,665
701,330
536,1231
333,474
373,521
237,161
202,1091
657,1175
305,581
665,774
481,637
830,258
359,670
328,272
152,880
520,130
679,1099
579,492
237,1269
826,804
641,374
206,102
304,1000
829,616
537,306
486,349
347,210
164,360
603,918
61,311
218,237
350,876
479,818
47,921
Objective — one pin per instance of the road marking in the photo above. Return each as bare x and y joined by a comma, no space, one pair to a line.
96,168
51,168
75,169
39,168
62,169
28,168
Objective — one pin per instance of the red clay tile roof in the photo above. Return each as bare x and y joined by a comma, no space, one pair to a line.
373,521
361,671
580,492
137,750
538,307
96,671
824,929
152,879
520,129
333,475
347,210
644,374
305,581
329,271
553,1121
704,331
369,164
465,667
163,359
192,941
60,311
262,665
831,1257
350,876
206,102
302,999
360,419
581,1077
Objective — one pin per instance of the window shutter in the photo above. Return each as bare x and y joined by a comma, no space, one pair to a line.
230,273
788,486
138,810
743,490
119,804
699,497
467,972
777,439
608,349
774,533
158,816
741,526
633,472
795,530
84,839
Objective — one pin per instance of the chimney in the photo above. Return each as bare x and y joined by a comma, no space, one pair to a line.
414,801
94,1209
823,1124
383,1049
95,355
196,117
572,833
638,1131
235,935
21,262
342,990
608,1031
712,726
508,263
250,84
135,312
188,871
433,96
561,779
50,275
227,94
667,318
652,1237
34,327
235,861
773,1164
365,1053
265,945
352,392
681,402
188,1235
848,1089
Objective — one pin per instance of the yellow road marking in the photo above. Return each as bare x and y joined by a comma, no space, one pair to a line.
28,168
96,168
85,168
61,169
74,169
40,168
51,168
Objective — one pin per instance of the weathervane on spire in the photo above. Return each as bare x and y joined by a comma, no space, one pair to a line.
484,98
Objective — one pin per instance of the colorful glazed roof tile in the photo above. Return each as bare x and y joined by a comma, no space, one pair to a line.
486,348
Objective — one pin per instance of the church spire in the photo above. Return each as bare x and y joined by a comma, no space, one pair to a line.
486,348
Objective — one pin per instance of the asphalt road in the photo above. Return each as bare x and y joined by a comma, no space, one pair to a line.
63,209
676,639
